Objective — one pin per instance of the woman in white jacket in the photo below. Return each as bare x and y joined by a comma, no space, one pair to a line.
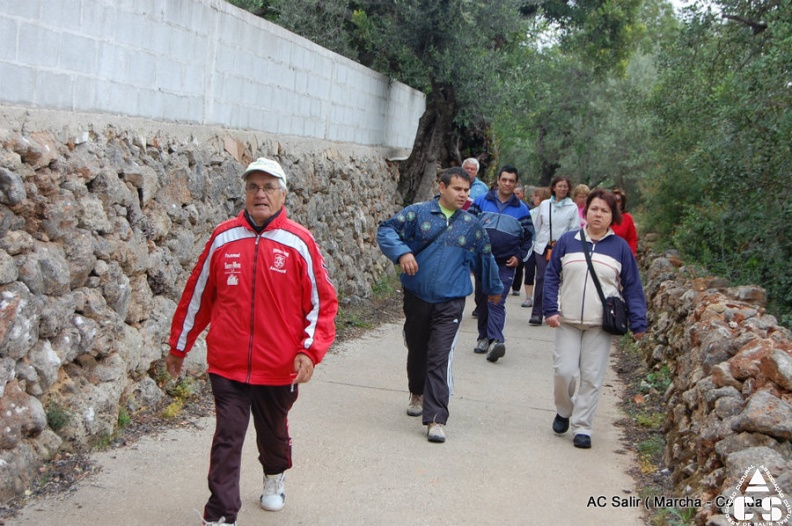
562,213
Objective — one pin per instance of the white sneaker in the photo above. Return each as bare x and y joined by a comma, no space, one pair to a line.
273,497
435,433
415,407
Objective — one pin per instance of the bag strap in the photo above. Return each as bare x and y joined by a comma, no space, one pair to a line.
440,233
590,266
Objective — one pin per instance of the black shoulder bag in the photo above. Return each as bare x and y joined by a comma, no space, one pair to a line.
434,237
614,310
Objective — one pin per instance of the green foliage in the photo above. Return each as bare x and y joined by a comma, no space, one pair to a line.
124,419
650,420
720,190
658,380
385,287
57,417
571,108
652,446
675,517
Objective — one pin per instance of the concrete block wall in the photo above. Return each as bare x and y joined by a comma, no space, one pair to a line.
195,61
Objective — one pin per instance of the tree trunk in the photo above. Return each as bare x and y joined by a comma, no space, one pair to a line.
547,168
417,175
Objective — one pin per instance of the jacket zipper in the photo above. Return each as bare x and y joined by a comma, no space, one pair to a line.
252,310
585,284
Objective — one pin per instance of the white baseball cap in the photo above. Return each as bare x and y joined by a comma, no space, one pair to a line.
262,164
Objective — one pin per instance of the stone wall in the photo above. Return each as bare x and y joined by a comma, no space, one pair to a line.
730,400
99,229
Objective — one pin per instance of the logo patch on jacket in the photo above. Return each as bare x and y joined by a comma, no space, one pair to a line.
279,260
232,270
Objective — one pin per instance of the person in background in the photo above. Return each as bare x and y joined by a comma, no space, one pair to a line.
539,194
573,307
579,195
477,186
507,221
262,287
626,230
519,193
562,213
437,246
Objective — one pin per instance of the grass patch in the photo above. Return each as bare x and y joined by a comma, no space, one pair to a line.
57,417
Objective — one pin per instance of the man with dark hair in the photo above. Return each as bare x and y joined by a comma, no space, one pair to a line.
437,245
508,224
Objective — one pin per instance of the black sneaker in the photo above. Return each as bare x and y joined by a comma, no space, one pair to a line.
481,346
497,350
560,424
582,441
535,321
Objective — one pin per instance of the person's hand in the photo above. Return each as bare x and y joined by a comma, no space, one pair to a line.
174,364
304,368
408,264
494,298
512,262
638,335
554,321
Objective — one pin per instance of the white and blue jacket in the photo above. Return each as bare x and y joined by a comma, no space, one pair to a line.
570,291
444,266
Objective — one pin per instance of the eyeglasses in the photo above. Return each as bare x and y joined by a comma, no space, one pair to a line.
268,189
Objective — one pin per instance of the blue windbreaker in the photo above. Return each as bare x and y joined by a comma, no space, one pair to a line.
444,266
508,225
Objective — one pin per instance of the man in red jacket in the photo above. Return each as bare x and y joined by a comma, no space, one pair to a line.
262,286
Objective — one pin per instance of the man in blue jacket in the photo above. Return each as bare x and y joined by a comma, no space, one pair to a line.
510,229
437,245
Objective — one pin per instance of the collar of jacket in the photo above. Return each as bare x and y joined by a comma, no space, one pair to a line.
434,207
492,195
275,220
564,202
609,233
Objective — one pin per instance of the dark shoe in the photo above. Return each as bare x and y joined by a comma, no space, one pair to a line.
535,321
481,346
474,314
582,441
496,351
560,424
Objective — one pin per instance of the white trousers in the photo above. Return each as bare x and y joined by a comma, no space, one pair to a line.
580,353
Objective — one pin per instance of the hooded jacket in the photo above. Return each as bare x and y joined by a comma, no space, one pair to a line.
266,297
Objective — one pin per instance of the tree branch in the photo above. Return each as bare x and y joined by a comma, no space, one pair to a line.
756,27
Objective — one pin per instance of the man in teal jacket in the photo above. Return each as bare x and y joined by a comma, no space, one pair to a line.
437,245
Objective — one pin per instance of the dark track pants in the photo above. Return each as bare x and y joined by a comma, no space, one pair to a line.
430,333
492,316
234,402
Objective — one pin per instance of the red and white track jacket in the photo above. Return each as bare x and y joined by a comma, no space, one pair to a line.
266,298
